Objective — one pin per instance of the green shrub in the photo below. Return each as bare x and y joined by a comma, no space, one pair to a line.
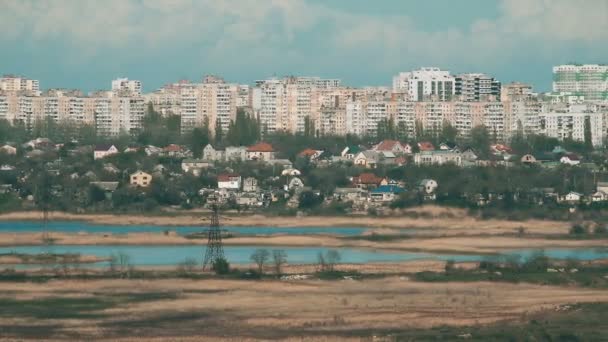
221,266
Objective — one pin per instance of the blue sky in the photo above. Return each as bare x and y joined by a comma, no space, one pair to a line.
85,43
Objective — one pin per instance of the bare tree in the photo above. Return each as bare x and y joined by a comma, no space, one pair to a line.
260,257
279,258
332,257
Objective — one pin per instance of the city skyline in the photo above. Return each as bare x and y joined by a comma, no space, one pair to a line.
361,44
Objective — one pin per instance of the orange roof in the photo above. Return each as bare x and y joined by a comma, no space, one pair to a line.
426,146
225,177
386,145
260,147
309,152
367,178
173,148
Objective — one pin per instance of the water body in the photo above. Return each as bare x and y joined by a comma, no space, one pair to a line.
77,227
173,255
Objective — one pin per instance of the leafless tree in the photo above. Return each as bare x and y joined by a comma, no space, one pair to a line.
260,257
279,258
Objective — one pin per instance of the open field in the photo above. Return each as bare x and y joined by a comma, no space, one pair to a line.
233,310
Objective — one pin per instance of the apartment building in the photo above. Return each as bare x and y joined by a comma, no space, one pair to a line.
425,84
12,83
588,80
471,87
569,123
516,91
126,87
211,103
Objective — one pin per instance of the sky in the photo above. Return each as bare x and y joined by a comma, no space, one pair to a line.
86,43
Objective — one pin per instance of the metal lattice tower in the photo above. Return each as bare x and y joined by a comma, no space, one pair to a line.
215,249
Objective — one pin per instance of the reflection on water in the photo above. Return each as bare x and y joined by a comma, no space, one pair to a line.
173,255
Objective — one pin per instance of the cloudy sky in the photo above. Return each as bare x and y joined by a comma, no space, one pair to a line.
86,43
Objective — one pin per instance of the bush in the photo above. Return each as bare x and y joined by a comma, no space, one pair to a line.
600,230
578,229
221,266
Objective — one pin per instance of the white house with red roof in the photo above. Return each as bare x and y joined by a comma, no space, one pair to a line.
104,150
570,159
229,181
393,146
260,151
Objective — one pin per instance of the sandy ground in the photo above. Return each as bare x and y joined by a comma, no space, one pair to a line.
448,219
490,244
231,310
16,260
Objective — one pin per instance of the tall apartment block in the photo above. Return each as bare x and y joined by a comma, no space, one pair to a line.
589,80
18,83
476,87
124,86
425,84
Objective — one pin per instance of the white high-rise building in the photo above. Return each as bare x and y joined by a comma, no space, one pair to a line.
589,80
424,84
127,87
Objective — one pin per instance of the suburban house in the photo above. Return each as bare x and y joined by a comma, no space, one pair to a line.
602,186
111,168
528,159
211,154
438,157
151,150
385,193
369,159
447,146
140,179
393,146
349,194
235,153
428,187
349,152
368,181
599,196
261,151
173,150
104,150
295,184
8,149
570,159
426,146
310,154
229,181
249,200
194,166
572,197
250,184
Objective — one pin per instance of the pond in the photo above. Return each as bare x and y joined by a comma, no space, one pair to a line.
77,227
173,255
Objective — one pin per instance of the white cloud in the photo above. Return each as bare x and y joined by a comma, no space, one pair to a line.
266,28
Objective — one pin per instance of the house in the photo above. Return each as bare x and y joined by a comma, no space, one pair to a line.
295,184
210,153
500,149
469,156
229,181
39,143
194,166
349,152
438,157
104,150
393,146
368,159
250,184
385,193
426,146
131,149
349,194
177,151
528,159
8,149
249,200
107,187
235,153
140,179
447,146
570,159
310,154
572,197
602,186
428,187
261,151
153,150
599,196
367,181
